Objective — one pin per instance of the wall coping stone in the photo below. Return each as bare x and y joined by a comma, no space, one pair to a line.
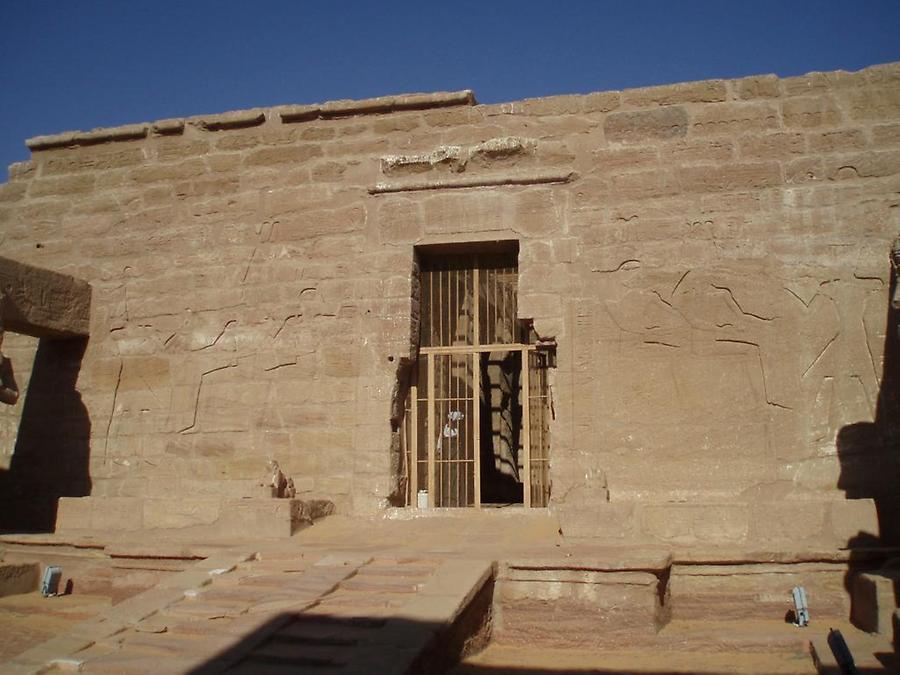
645,96
241,119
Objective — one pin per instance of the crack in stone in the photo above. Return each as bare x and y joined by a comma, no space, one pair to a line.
218,337
762,369
626,265
821,353
112,411
199,389
678,283
738,305
284,323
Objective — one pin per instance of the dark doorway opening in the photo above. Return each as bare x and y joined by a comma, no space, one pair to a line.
501,428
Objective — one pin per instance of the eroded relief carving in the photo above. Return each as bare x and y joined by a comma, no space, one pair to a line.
9,390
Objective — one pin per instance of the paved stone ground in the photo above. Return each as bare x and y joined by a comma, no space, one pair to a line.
368,596
30,619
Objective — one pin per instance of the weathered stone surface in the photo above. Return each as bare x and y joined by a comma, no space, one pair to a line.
712,259
231,120
646,125
16,578
42,303
759,86
691,92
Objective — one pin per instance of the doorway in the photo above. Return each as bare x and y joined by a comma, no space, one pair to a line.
476,423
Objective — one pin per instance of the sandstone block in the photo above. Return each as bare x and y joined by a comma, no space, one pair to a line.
174,149
772,146
22,170
178,513
851,518
695,523
298,113
12,192
117,513
805,170
318,132
787,523
602,101
646,125
618,159
838,140
160,172
743,176
42,303
18,578
734,118
396,123
67,186
73,513
873,600
882,135
759,86
702,150
810,112
167,127
707,91
90,160
863,165
294,154
238,119
317,223
875,104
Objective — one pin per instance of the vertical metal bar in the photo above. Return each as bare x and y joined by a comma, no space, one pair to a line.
476,302
526,428
413,443
476,425
431,437
495,306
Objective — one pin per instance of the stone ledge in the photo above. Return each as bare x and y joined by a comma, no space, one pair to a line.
537,178
373,106
645,98
213,516
128,132
43,303
239,119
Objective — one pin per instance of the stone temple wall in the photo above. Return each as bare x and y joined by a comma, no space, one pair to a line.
711,257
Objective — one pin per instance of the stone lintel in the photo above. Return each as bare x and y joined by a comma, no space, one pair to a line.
42,303
534,178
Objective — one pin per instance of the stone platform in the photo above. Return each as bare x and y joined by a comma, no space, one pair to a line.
502,591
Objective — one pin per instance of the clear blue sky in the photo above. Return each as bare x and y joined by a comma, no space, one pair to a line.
71,64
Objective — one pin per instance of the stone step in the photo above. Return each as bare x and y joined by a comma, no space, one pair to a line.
500,658
253,517
874,598
757,591
828,523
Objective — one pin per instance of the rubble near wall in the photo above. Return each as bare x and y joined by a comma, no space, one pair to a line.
711,257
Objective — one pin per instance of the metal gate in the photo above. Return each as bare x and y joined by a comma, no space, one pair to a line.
467,311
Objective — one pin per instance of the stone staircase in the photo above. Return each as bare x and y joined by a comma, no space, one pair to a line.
304,613
653,614
874,636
